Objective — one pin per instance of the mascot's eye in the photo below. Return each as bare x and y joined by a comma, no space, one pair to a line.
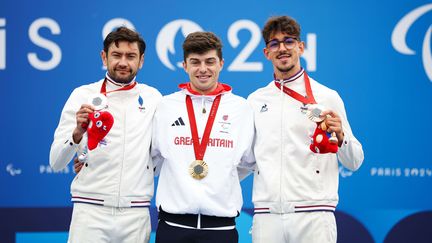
99,123
96,115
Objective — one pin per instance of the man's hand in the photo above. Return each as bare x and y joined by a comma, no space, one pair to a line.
77,165
334,124
82,119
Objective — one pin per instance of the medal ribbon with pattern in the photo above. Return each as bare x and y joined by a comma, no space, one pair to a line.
200,148
102,120
104,92
101,100
308,99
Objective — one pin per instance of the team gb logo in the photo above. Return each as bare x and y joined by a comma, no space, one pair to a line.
398,37
166,38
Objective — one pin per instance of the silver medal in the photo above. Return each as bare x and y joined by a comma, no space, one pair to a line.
98,101
314,112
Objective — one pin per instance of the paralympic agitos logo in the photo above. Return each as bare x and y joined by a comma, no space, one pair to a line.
400,31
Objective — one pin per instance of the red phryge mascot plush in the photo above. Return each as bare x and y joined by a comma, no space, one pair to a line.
100,124
322,141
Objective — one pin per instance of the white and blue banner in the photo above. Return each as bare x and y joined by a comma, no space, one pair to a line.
376,54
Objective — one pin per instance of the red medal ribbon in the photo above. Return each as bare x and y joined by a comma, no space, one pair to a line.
104,92
308,99
200,148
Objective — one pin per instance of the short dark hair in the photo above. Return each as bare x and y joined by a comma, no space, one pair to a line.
201,42
283,24
124,34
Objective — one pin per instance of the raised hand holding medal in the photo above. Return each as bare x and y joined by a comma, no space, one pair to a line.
315,114
322,142
101,120
98,124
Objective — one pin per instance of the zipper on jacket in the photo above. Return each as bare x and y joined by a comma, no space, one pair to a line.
281,142
200,135
123,157
203,105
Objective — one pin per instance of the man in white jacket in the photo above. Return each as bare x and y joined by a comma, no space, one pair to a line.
112,192
200,135
295,190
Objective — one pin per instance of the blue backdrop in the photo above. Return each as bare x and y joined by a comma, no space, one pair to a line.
376,54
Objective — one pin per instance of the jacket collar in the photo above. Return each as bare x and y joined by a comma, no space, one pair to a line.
220,89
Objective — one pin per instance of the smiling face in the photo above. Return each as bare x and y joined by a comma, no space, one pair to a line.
203,70
123,61
286,62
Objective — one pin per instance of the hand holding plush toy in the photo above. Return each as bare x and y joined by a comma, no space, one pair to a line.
100,121
99,124
322,141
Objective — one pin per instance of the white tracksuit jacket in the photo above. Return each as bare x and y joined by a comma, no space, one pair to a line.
219,193
288,176
119,172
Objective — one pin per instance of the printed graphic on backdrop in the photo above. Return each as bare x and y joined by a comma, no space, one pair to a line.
380,65
400,33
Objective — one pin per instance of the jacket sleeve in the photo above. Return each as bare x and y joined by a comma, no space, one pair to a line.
350,154
247,163
63,147
155,146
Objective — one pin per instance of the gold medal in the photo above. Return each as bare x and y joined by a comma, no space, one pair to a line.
198,169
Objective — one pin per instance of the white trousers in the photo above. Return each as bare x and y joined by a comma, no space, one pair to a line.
100,224
308,227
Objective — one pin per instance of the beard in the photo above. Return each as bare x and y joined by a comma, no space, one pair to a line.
121,78
285,69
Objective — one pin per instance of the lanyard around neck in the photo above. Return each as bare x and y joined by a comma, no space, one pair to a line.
104,92
308,99
200,148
